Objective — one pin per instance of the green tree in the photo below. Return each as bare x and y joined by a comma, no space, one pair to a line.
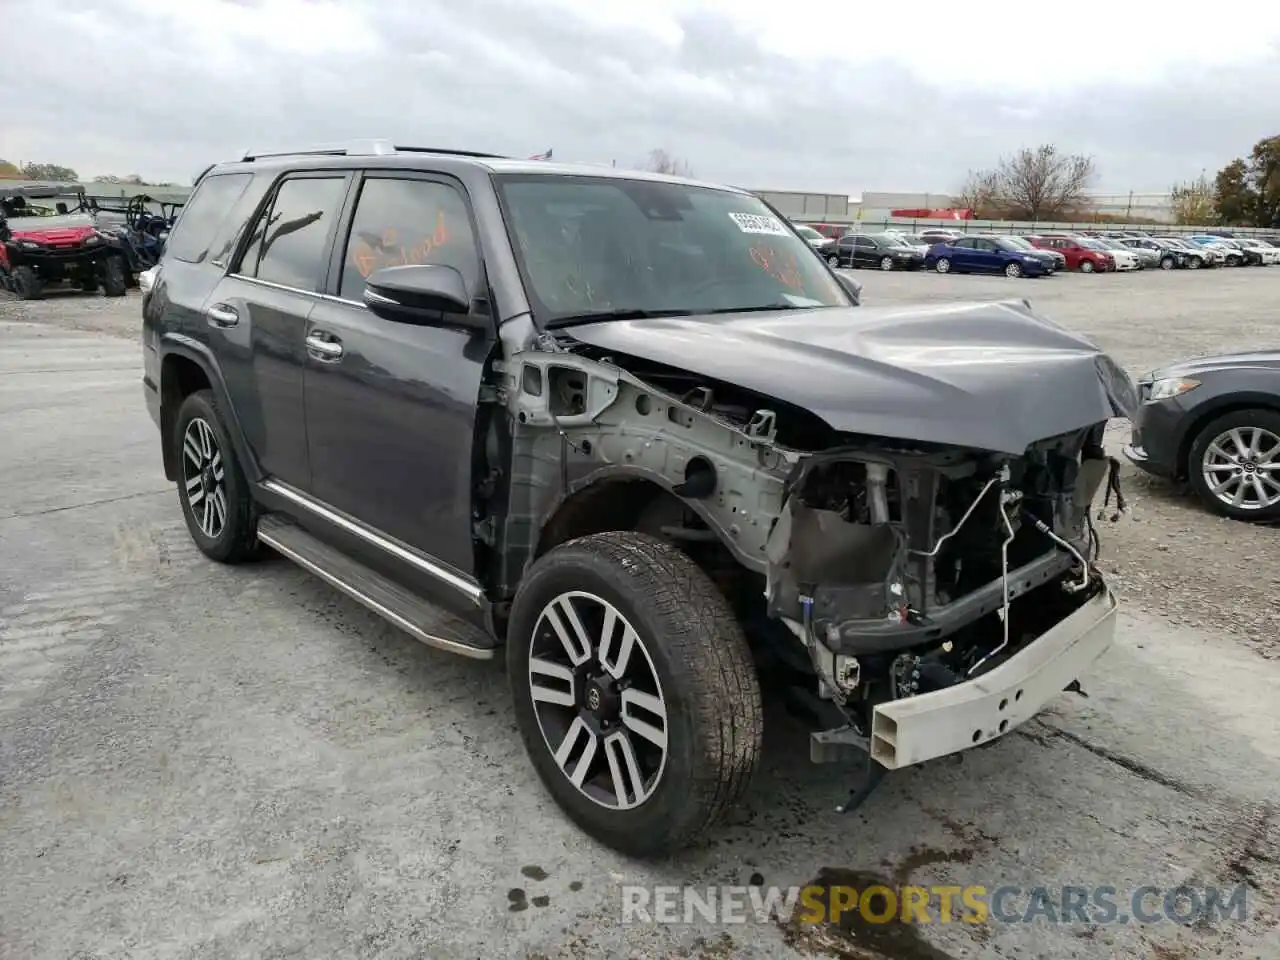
1194,202
1247,190
10,171
50,171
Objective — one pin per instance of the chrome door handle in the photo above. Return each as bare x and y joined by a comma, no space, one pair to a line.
326,349
221,315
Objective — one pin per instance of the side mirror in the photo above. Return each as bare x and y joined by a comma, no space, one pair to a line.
430,295
852,287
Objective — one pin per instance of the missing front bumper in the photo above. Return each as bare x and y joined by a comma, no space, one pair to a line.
915,729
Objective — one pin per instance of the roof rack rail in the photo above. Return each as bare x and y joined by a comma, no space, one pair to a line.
349,148
357,148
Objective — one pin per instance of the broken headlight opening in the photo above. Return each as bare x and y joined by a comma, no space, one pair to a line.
907,571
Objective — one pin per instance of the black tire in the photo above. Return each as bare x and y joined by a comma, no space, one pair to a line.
833,261
27,284
714,724
942,265
236,540
1013,271
1086,266
113,279
1268,420
1166,263
1194,263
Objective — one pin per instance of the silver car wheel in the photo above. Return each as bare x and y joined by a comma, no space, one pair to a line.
202,478
886,263
598,700
1241,469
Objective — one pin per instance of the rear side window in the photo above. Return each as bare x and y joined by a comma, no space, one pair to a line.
204,214
399,222
288,245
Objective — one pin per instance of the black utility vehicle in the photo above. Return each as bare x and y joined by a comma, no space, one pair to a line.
628,431
884,251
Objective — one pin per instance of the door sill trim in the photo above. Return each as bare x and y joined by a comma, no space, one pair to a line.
463,584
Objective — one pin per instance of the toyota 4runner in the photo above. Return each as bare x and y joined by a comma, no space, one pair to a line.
631,433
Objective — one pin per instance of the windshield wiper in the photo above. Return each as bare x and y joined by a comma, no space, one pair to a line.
765,309
568,320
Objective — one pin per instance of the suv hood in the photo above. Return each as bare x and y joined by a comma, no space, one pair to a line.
1254,359
990,376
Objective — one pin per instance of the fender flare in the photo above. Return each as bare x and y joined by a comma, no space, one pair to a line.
180,345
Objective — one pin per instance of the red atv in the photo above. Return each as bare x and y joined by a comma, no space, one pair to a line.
40,247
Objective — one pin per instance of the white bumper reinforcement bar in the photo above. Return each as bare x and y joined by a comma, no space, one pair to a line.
915,729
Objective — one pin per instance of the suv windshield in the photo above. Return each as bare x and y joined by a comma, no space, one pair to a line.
592,247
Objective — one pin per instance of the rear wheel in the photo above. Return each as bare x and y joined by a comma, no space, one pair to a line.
943,265
635,692
113,281
27,283
1234,465
1166,263
212,488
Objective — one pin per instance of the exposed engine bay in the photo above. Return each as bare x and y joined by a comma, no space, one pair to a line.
865,569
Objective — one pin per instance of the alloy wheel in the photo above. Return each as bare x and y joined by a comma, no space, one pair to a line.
1241,467
1086,266
943,265
886,263
1013,271
833,261
203,477
598,700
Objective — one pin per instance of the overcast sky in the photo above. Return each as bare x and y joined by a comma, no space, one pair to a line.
830,97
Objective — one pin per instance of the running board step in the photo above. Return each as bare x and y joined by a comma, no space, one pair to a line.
415,616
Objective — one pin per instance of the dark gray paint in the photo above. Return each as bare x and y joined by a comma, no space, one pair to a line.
991,376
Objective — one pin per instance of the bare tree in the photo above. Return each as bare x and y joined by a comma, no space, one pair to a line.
660,161
1041,183
981,194
1194,202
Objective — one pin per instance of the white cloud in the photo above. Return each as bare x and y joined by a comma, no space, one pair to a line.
828,97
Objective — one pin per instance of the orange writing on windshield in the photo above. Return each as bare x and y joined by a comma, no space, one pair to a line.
782,267
390,252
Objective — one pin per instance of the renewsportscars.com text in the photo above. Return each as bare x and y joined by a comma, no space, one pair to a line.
972,904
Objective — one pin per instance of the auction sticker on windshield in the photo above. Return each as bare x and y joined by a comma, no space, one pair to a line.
757,223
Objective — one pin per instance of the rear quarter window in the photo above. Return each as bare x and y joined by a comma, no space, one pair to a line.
203,217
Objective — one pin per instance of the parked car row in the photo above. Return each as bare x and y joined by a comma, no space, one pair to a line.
1036,255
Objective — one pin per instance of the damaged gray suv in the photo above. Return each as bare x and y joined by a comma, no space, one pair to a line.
628,432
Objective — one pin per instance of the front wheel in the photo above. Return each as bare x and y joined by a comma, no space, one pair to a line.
886,263
113,279
1166,263
943,265
1194,263
1234,465
634,689
212,487
1013,271
833,261
27,283
1086,266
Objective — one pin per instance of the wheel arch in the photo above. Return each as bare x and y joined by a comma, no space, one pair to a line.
615,498
1230,403
186,366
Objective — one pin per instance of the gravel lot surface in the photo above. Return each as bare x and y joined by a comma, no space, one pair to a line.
206,762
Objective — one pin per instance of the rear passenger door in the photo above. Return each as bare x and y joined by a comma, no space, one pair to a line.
258,314
391,407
